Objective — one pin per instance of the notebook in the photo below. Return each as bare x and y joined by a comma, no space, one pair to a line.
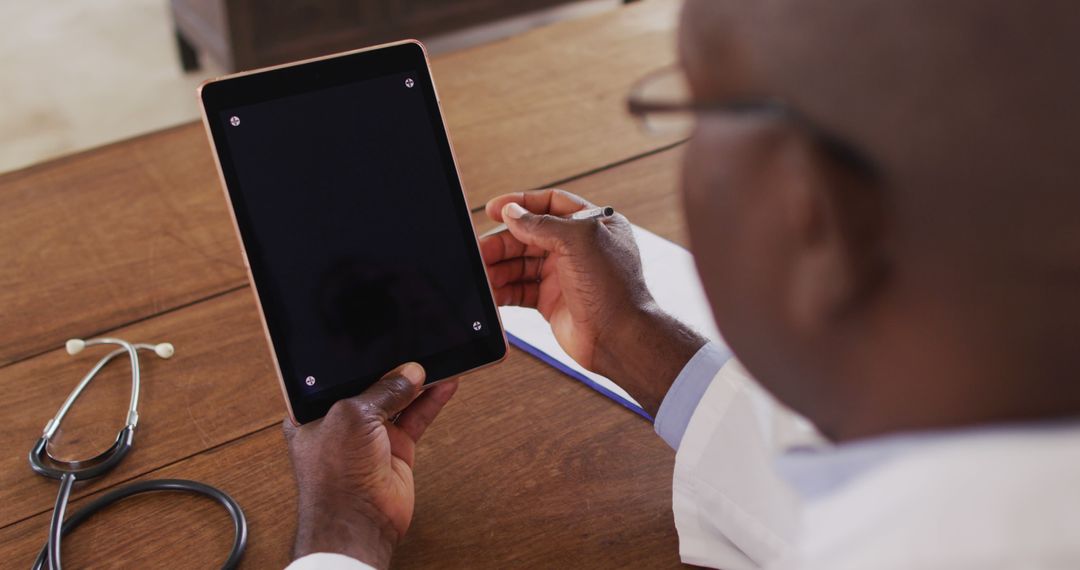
672,279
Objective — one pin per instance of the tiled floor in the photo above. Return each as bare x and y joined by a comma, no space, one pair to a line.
80,73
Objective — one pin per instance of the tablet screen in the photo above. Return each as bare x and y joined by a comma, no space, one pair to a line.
357,234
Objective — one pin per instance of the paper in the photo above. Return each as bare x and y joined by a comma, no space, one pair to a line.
672,279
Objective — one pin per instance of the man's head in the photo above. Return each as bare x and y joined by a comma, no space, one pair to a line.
940,289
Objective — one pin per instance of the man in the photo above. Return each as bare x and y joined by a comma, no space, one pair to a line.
882,205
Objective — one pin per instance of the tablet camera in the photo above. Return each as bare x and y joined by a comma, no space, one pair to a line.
409,83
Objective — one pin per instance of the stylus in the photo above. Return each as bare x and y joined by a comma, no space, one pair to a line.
590,213
586,214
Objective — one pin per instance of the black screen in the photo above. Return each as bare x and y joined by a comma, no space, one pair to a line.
357,233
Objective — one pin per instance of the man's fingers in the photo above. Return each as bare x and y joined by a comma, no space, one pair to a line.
289,429
513,270
503,245
390,395
520,294
547,231
535,220
549,201
419,415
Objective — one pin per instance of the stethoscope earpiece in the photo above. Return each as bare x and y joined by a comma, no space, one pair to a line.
164,350
75,346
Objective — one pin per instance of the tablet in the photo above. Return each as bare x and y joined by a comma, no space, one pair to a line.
354,227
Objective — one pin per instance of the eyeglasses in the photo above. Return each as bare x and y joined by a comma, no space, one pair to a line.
663,103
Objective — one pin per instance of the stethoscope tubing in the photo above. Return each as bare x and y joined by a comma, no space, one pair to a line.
51,551
56,526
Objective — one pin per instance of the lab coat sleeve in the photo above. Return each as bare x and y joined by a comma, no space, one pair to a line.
327,561
731,509
686,392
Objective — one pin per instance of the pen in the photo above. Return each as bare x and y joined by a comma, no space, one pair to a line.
590,213
586,214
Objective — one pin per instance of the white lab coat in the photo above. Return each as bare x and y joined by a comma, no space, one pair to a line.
992,497
731,508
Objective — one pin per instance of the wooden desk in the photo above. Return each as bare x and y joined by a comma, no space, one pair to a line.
525,467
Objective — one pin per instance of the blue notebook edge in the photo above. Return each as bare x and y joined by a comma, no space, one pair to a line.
547,358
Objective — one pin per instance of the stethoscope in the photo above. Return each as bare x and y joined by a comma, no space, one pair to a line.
67,472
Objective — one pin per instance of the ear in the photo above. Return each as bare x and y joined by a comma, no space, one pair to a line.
835,219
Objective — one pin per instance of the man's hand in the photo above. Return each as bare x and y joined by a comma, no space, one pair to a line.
584,276
354,467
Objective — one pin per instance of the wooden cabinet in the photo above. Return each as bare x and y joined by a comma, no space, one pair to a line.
245,34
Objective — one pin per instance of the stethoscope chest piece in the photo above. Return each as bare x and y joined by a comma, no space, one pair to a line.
43,463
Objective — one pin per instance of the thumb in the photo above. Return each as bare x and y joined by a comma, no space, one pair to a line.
393,392
542,230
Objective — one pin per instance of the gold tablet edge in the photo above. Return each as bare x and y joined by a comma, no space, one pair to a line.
236,227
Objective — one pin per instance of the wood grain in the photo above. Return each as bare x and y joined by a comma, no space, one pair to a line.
116,234
220,384
551,104
119,233
524,468
645,190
